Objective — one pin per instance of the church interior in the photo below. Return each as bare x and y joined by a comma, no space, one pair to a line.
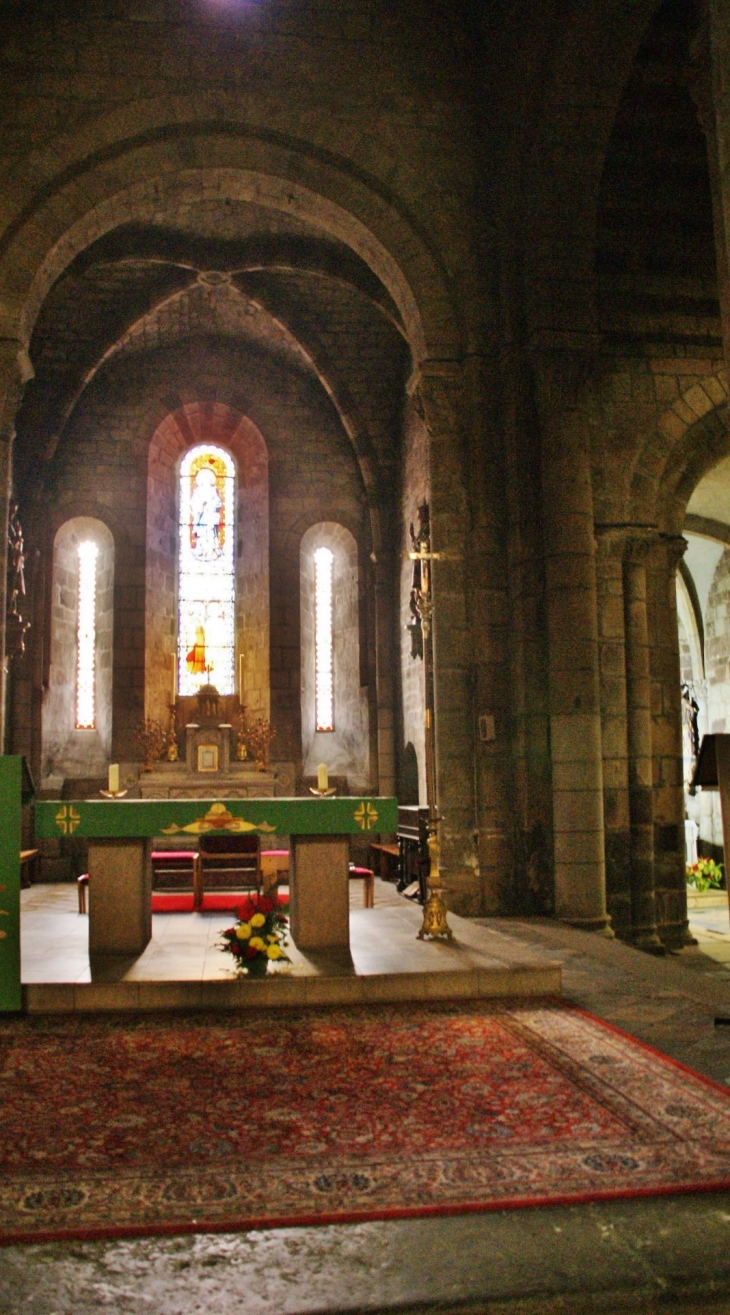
364,427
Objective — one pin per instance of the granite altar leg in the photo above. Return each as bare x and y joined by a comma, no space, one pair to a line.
319,892
120,896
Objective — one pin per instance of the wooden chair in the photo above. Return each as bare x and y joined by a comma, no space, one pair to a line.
234,863
82,883
274,868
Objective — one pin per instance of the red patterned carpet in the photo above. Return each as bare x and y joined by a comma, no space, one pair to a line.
141,1125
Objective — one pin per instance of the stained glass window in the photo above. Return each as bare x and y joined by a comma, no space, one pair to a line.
86,639
324,683
206,624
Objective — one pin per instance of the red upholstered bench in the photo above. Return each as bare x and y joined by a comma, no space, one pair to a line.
368,884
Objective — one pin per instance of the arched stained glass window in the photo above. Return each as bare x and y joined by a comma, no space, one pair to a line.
86,638
206,600
324,682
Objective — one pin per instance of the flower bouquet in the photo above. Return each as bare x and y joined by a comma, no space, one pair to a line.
705,874
259,936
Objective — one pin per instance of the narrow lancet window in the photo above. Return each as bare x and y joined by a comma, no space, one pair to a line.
86,639
206,602
324,684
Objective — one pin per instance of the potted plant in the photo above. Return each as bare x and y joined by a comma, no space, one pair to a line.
704,879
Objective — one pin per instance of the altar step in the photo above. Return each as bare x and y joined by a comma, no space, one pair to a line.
183,968
292,992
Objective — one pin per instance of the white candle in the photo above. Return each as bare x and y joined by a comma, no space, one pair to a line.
322,777
114,778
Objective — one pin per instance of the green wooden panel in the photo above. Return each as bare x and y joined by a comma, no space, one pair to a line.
194,817
10,839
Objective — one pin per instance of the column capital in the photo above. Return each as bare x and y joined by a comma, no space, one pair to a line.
631,542
16,370
675,546
562,362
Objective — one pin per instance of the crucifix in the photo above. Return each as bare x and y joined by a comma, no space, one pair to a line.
434,910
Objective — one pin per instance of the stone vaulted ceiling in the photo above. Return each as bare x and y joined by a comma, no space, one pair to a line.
219,271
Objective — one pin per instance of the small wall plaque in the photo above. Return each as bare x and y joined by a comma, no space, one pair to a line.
207,757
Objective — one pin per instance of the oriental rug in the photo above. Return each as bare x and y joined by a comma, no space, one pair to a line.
132,1125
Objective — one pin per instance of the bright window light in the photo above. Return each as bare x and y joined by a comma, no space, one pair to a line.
86,639
324,685
207,579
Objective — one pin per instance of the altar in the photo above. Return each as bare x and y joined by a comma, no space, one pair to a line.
120,832
204,756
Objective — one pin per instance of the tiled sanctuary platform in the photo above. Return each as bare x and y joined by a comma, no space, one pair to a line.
183,968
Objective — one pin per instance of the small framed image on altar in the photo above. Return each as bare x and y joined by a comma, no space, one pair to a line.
207,757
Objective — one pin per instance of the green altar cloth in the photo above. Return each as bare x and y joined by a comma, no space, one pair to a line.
145,818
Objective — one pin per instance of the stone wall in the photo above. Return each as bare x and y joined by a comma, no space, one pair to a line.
717,647
122,451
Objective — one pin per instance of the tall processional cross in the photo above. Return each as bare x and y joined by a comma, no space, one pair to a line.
421,604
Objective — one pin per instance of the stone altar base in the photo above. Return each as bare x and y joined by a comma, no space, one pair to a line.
120,896
241,781
320,898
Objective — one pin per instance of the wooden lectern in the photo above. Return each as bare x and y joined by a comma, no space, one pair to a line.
713,773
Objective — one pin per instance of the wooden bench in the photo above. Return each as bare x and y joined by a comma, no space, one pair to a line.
29,861
385,859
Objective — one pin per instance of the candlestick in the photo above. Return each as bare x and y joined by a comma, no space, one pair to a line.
322,788
174,676
113,792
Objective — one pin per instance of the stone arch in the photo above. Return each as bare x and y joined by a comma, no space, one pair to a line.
689,437
104,180
181,429
559,242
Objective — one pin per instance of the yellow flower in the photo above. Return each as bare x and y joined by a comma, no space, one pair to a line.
273,952
243,931
256,943
273,939
258,920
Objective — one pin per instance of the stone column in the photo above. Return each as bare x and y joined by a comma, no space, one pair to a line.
441,390
15,370
611,543
669,856
708,86
639,728
572,628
